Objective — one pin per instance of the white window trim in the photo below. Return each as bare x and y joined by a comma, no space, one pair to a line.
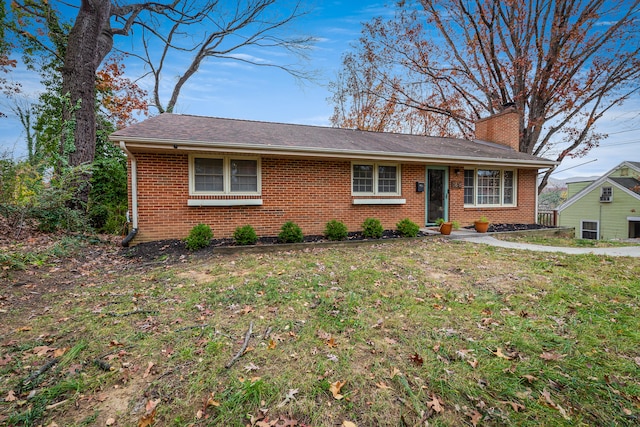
375,179
226,170
582,221
501,204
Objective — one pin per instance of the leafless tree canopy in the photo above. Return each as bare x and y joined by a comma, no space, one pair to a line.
563,64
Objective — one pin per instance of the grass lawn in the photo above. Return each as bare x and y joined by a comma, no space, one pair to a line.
563,241
406,332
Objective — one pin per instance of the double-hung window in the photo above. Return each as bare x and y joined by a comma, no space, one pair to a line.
489,187
375,179
224,175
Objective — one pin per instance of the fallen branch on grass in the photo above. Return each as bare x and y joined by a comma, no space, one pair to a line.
130,313
244,347
39,372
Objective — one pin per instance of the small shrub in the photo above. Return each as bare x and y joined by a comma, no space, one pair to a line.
245,235
335,230
408,228
290,233
371,228
439,221
199,237
455,224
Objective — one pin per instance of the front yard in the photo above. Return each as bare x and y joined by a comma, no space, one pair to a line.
405,332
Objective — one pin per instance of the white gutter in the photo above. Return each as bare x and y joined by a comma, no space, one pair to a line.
134,184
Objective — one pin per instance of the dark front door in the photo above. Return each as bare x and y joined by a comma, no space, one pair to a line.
437,192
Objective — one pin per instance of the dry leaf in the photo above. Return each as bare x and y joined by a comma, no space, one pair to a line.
348,424
211,401
547,396
475,417
530,378
60,351
435,404
5,360
416,359
394,372
42,350
551,356
251,367
199,414
331,343
473,363
23,329
515,405
11,397
335,388
110,421
500,354
272,345
150,413
390,340
382,386
247,309
148,371
323,335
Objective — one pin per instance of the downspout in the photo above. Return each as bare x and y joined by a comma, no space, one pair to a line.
134,195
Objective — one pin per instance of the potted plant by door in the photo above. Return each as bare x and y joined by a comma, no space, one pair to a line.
445,227
482,225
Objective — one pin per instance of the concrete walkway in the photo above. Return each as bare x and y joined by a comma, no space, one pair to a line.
487,239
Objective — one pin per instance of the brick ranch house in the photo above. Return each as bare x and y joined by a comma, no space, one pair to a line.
184,170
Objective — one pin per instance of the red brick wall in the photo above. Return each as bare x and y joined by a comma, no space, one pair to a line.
523,213
308,192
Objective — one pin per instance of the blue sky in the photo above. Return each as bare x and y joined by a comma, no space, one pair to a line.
236,90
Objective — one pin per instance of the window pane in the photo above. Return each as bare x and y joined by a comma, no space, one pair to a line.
468,186
208,175
508,188
387,179
244,175
488,187
589,230
363,178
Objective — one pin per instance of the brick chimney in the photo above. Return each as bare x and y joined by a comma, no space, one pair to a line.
501,128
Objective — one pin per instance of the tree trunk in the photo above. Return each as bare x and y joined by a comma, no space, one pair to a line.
90,40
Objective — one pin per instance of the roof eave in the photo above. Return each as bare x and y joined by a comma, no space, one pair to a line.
184,145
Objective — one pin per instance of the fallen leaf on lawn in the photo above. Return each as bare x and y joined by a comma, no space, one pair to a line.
530,378
23,329
332,357
251,367
60,351
211,401
272,345
335,388
394,372
41,350
390,340
501,355
382,386
416,359
435,404
515,405
551,356
5,360
148,371
52,424
323,335
436,348
547,397
11,397
637,360
331,343
627,411
475,417
247,309
346,423
110,421
147,419
291,395
199,414
473,363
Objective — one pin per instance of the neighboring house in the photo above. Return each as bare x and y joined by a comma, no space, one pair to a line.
604,208
185,170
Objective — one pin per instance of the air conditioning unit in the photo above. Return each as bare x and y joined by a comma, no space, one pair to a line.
605,199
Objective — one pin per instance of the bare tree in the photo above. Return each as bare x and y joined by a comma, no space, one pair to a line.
91,38
563,63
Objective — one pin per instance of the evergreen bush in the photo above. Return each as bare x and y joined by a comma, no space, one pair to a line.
245,235
199,237
290,233
335,230
408,228
371,228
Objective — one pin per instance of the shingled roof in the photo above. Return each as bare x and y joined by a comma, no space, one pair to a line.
186,132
